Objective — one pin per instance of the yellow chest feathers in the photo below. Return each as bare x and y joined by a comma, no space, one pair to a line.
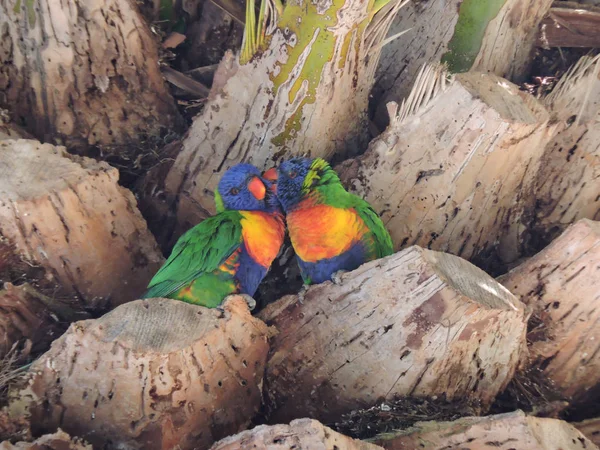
263,235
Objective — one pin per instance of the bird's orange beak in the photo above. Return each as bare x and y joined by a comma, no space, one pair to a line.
270,174
257,188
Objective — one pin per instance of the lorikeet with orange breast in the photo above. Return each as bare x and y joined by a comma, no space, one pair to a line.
331,229
229,253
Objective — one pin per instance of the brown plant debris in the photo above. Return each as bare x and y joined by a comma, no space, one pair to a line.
399,413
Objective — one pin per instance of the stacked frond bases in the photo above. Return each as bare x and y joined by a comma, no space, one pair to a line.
454,170
76,222
566,186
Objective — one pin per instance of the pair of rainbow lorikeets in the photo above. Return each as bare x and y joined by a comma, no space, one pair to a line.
331,230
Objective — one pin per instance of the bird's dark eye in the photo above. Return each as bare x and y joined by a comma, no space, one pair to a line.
234,191
293,174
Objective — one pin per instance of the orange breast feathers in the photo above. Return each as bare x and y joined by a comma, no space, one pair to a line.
263,235
323,231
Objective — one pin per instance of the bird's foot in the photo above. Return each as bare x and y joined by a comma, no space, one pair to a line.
302,293
221,311
336,277
249,300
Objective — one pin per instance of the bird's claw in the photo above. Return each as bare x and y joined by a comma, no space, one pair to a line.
247,298
301,293
336,277
249,301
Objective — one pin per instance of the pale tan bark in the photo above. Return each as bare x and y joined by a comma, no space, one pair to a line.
418,323
84,72
503,432
55,441
299,434
505,49
567,187
509,39
457,174
429,26
151,374
69,215
591,429
560,284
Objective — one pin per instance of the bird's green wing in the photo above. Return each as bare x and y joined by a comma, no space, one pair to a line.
200,250
383,245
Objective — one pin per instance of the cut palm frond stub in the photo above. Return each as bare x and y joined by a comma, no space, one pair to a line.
432,80
576,85
383,14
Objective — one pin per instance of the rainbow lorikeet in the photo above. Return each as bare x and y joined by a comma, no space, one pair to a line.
229,253
331,229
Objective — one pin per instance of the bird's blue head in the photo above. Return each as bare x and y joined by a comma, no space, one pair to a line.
298,177
241,188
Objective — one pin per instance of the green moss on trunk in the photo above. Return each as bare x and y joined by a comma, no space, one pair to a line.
474,17
315,46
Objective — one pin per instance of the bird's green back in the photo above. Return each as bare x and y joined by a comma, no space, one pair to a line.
383,241
201,250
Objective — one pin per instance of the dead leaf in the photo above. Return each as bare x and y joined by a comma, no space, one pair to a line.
173,40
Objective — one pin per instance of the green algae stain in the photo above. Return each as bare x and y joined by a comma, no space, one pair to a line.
346,44
473,19
30,10
313,34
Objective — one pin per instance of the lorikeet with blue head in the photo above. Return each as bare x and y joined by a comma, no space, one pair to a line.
229,253
331,229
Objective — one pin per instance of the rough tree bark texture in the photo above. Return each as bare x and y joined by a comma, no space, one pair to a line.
305,93
429,27
14,429
454,175
503,47
509,39
299,434
560,284
8,130
502,431
69,214
55,441
418,323
567,187
83,71
155,374
591,429
29,318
